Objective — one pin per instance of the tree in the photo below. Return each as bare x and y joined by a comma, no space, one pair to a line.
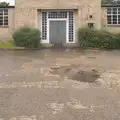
117,2
107,2
110,2
4,4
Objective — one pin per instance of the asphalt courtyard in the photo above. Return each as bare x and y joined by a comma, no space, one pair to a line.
59,85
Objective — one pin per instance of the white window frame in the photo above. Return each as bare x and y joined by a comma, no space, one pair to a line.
73,27
112,21
59,19
3,15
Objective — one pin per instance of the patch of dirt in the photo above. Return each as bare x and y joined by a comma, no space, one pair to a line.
110,79
77,73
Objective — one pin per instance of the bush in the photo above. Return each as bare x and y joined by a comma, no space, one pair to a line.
98,39
27,37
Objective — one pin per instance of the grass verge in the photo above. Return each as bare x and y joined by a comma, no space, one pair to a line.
7,44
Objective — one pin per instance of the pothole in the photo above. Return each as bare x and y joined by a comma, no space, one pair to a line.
82,75
85,76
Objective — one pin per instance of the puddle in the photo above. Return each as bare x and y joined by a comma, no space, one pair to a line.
82,75
85,76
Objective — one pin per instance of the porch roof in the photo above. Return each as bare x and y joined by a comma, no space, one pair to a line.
111,5
7,6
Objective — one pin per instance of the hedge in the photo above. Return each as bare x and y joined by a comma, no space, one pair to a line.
27,37
91,38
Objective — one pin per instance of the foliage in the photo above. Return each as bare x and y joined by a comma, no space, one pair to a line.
8,44
4,4
98,39
110,2
27,37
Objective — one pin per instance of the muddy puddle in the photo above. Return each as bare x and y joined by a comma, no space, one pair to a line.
77,73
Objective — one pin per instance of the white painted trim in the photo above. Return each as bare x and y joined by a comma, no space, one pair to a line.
67,27
3,16
44,41
113,15
48,25
41,25
73,28
59,19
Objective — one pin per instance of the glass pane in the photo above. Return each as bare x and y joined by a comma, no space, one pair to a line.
114,22
1,22
1,12
109,22
118,19
109,19
1,17
109,11
57,15
5,11
114,10
118,10
6,18
6,22
114,19
44,25
71,27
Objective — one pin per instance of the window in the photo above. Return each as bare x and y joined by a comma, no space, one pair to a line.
65,15
3,17
113,16
71,26
44,25
91,25
57,15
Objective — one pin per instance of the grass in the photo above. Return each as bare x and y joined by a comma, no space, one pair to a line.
8,44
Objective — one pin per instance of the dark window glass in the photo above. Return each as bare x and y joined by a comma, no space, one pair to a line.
113,15
109,11
6,18
118,19
114,19
1,22
1,12
90,25
5,12
118,10
3,17
114,10
109,19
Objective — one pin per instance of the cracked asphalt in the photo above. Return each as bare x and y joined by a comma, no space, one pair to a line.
31,90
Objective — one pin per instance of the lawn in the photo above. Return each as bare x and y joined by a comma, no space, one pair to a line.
8,44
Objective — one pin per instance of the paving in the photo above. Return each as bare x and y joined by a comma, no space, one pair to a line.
59,85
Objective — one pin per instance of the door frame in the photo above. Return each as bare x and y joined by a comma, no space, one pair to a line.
57,19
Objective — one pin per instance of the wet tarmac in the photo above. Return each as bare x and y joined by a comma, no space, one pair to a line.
59,85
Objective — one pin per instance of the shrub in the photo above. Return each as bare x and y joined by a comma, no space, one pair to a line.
98,39
27,37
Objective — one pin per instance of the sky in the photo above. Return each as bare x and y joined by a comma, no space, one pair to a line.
12,2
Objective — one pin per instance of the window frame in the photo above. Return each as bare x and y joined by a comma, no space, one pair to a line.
113,18
58,15
3,15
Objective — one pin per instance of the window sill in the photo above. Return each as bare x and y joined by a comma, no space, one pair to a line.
4,26
112,25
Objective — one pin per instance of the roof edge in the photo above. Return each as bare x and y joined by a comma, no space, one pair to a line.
7,6
111,5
